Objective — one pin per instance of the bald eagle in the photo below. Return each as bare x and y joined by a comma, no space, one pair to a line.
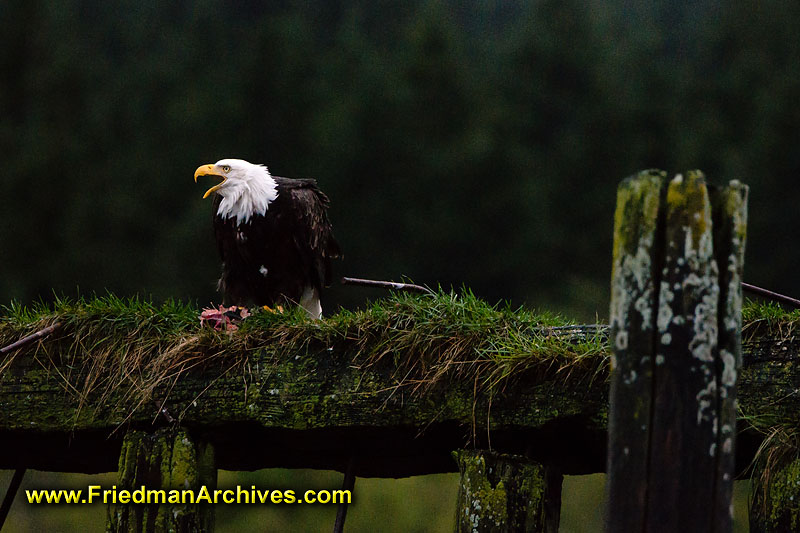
273,236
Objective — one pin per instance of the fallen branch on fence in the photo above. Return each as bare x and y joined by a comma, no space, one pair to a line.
24,341
764,293
410,287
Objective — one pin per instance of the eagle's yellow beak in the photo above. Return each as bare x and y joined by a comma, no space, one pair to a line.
208,170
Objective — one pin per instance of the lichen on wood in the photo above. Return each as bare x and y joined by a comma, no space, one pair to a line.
685,414
159,467
633,289
729,204
506,493
674,389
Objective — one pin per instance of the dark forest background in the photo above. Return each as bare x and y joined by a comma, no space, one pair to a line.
461,143
472,144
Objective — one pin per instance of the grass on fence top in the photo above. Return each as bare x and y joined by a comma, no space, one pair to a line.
769,318
108,345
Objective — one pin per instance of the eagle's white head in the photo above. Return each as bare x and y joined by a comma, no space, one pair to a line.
246,189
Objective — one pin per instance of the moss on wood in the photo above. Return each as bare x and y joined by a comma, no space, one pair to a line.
501,493
156,468
447,366
409,375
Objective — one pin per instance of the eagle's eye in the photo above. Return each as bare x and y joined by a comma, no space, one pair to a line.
226,168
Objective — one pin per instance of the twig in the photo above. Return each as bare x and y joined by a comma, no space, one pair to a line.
13,487
386,285
30,338
764,293
348,484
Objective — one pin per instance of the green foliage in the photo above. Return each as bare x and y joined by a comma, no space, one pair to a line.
108,311
768,318
770,312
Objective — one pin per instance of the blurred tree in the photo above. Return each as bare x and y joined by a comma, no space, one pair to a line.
461,143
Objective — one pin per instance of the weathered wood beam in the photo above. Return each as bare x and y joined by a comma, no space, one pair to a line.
318,411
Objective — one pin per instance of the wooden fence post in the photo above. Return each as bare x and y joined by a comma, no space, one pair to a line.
506,493
730,231
633,294
171,460
675,337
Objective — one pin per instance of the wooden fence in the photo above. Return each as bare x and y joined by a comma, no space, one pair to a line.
676,343
668,441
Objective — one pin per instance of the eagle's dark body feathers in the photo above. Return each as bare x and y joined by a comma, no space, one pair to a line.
273,259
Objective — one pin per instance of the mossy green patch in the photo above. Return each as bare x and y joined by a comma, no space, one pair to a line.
159,466
501,492
775,491
688,195
784,497
637,210
483,505
735,209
